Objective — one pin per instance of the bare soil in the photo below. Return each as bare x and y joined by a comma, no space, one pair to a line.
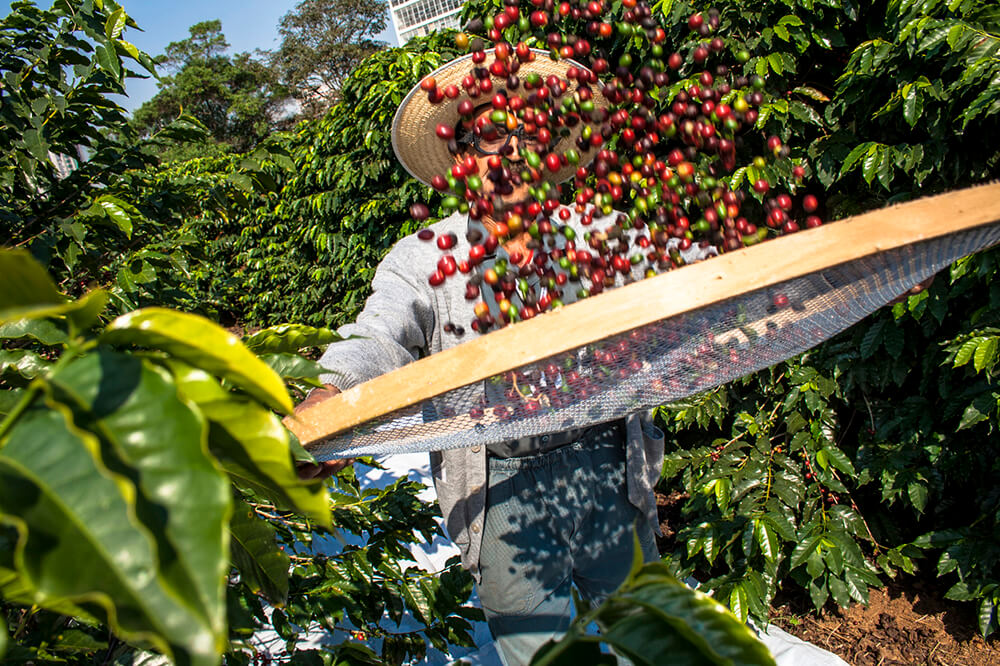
908,622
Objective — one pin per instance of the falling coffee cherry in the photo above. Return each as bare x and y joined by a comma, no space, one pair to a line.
447,241
419,212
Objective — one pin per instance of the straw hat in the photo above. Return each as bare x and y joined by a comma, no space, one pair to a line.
417,146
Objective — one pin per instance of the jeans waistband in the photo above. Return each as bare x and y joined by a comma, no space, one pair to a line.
603,437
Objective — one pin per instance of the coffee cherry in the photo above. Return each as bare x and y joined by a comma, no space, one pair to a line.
447,241
420,212
809,203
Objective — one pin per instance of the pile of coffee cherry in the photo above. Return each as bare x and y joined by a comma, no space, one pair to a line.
657,167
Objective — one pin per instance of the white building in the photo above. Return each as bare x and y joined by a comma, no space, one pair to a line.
415,18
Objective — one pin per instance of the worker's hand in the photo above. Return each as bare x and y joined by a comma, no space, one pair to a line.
913,291
310,471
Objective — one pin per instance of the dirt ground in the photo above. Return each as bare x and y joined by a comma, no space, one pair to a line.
907,623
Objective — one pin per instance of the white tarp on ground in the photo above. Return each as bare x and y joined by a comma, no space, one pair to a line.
787,649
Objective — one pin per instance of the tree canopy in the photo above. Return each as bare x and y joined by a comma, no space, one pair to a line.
322,41
237,98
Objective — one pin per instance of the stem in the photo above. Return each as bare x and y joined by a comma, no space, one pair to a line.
23,622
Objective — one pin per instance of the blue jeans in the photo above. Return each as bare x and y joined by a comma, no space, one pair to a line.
555,520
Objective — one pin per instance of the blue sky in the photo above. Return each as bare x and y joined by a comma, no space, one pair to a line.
247,24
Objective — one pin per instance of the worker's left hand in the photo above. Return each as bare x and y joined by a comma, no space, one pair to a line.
322,470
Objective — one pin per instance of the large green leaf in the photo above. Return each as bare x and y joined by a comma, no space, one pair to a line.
655,619
289,338
203,344
695,618
28,290
252,445
261,563
183,496
45,331
79,539
29,293
3,635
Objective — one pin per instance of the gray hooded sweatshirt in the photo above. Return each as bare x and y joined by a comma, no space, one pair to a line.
403,320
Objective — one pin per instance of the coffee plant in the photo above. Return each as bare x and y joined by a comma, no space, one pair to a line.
163,511
830,471
149,502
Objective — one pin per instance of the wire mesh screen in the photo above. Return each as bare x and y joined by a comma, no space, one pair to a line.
661,362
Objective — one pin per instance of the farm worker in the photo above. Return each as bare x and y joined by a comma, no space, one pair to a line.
531,517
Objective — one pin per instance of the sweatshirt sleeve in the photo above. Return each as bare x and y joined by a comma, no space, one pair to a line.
393,329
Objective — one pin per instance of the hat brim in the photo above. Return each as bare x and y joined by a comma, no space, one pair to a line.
414,138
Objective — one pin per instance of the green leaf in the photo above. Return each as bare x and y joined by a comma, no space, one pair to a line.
776,63
987,615
30,294
113,26
872,339
917,492
965,352
840,460
818,593
36,144
803,551
3,635
986,354
723,486
107,59
252,445
760,67
263,566
74,640
857,587
242,181
811,92
972,415
871,162
26,363
913,104
855,155
838,590
738,602
293,366
45,331
202,344
767,538
78,538
133,408
805,113
115,210
289,338
678,624
28,290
